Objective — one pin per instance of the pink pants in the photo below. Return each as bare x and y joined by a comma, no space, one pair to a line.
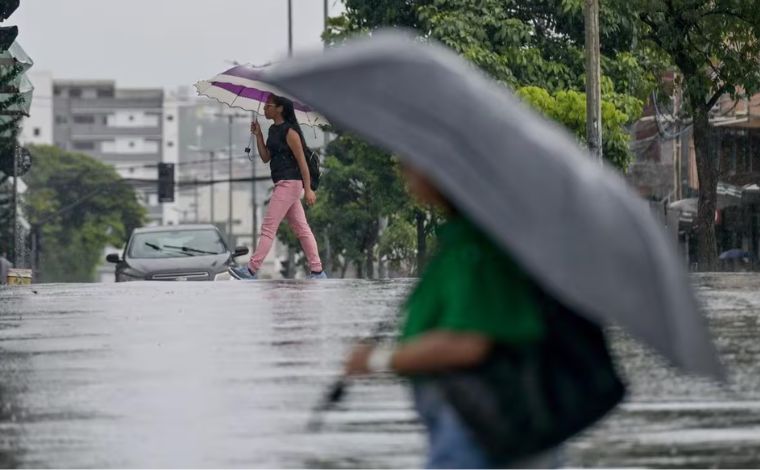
286,204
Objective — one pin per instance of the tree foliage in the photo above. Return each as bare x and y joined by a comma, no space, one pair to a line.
536,43
77,206
535,46
715,47
569,108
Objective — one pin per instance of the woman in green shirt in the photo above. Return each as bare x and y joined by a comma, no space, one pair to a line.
470,297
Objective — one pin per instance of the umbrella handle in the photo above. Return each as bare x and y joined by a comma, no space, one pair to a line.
337,390
332,397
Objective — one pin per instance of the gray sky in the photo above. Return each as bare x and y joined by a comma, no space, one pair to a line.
161,43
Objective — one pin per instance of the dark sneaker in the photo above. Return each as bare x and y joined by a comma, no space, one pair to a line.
242,273
319,275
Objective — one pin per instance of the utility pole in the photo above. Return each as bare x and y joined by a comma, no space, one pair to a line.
15,206
195,186
326,15
35,261
593,81
254,202
211,186
230,238
290,28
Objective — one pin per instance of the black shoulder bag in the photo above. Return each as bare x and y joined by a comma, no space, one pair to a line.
525,400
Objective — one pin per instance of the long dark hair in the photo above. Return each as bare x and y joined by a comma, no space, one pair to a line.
289,114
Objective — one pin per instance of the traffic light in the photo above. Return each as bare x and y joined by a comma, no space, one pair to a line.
7,36
166,182
7,33
7,7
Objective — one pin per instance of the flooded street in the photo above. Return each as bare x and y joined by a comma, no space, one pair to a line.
225,374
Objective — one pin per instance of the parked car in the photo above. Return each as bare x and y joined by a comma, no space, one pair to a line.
175,253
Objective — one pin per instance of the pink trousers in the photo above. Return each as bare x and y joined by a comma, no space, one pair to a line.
286,204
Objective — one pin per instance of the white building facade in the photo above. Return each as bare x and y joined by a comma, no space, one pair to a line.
37,128
120,127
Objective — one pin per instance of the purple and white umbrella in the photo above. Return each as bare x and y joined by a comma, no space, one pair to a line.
241,87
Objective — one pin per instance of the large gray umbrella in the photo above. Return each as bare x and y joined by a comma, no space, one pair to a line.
574,226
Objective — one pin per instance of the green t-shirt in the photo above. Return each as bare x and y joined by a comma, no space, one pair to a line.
470,285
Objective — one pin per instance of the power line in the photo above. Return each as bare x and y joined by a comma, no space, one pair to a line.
193,183
180,164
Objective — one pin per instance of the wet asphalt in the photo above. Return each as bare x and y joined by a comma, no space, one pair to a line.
225,375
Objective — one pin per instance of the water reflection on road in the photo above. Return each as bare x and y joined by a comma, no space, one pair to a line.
224,375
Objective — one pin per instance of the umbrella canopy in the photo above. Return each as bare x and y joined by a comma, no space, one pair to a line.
728,196
240,87
574,226
735,253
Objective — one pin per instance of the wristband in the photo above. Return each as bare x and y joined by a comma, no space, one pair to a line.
380,358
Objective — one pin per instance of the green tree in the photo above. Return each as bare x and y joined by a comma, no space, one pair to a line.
569,107
360,186
77,206
715,46
536,43
535,46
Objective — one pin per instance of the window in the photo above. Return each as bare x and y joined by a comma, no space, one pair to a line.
84,145
37,131
169,117
170,144
105,93
60,120
84,119
75,93
105,120
131,144
131,118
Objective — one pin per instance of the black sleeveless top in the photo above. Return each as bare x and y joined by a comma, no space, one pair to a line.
283,164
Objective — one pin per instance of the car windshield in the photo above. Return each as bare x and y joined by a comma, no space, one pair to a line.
176,244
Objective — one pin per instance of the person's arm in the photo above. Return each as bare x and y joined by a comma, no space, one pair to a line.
260,144
294,142
431,352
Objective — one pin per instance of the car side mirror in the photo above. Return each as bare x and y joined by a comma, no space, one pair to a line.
113,258
240,251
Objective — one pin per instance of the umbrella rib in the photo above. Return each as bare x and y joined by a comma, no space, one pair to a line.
237,95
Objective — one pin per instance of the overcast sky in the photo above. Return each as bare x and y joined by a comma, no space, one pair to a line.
161,43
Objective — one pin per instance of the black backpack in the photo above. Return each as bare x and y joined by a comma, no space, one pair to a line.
312,161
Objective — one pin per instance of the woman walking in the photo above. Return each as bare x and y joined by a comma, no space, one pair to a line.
284,151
